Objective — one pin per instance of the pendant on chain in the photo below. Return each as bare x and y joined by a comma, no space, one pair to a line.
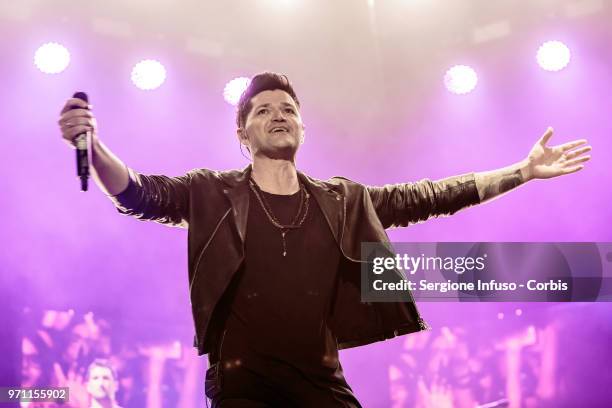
297,221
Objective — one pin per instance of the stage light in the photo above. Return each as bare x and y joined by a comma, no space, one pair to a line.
51,58
553,56
234,88
460,79
148,74
518,312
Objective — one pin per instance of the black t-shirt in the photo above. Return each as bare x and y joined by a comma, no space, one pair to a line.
279,306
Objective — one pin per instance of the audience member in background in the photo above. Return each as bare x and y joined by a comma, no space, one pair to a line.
102,384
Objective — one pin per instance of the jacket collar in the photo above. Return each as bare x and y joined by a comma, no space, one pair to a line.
237,191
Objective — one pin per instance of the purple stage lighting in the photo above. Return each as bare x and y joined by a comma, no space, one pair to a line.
234,88
148,74
460,79
51,58
553,56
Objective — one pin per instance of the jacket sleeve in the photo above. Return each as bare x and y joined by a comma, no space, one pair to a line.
161,199
398,205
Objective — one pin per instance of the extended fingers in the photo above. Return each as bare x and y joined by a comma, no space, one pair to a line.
571,145
546,136
569,170
577,152
576,161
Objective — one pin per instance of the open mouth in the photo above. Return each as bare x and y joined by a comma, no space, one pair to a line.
279,130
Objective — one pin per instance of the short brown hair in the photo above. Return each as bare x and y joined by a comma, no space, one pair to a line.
104,363
266,81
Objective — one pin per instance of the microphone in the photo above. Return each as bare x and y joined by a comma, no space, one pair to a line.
82,149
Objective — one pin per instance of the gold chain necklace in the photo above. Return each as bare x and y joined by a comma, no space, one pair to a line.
297,220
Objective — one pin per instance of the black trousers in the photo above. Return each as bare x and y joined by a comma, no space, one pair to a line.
253,381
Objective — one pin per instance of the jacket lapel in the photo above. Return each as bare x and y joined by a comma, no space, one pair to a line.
330,202
237,192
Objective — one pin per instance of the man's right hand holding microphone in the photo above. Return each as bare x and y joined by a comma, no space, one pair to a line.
109,172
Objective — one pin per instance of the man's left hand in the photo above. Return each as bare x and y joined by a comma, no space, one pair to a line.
551,161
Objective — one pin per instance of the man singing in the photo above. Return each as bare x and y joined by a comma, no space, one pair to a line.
274,275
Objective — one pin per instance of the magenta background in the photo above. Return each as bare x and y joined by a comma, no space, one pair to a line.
376,111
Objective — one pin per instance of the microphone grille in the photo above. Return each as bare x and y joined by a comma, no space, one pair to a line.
81,95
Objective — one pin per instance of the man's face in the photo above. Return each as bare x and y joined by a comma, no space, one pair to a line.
101,384
274,126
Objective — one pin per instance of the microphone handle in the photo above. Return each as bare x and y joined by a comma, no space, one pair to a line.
82,159
82,142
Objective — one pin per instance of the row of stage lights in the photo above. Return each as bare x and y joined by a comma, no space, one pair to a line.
53,58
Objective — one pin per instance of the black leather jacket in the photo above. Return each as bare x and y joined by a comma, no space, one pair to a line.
214,206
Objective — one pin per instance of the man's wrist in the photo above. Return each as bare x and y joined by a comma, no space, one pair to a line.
98,152
95,143
526,171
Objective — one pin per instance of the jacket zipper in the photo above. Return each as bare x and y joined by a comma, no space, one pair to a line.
195,272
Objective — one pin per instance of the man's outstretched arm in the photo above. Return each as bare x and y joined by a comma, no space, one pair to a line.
542,162
147,197
398,205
